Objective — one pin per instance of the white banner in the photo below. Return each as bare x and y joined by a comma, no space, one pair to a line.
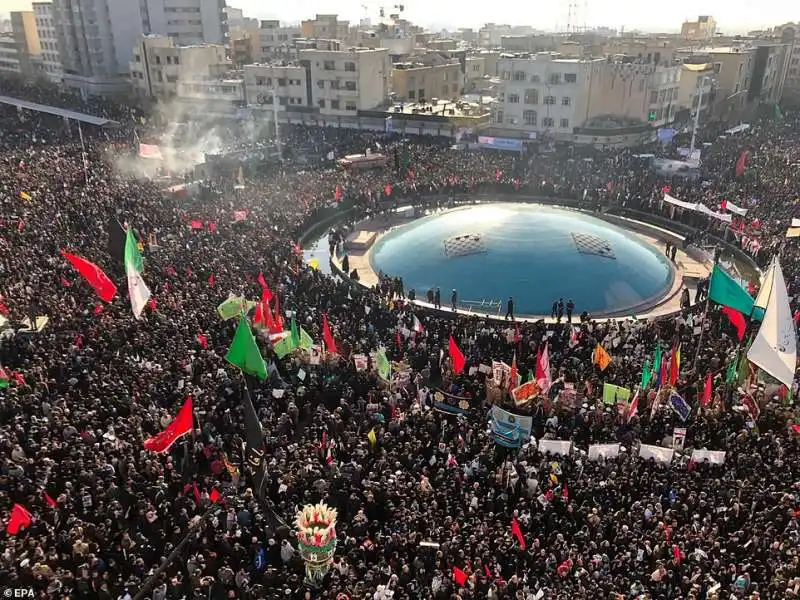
598,451
555,447
715,457
659,454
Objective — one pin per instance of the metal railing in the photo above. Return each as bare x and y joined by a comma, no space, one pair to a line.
484,305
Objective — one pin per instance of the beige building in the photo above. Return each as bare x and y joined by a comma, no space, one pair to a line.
277,42
789,33
222,92
159,66
20,50
659,50
696,84
427,77
48,41
703,29
638,91
733,70
287,83
346,81
475,73
325,26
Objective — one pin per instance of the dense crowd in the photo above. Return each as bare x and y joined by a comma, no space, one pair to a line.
87,388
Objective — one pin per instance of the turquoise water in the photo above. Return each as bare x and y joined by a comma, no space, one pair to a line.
530,254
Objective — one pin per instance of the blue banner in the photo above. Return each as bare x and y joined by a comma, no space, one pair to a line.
500,143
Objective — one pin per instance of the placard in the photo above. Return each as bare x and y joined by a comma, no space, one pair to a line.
659,454
598,451
715,457
555,447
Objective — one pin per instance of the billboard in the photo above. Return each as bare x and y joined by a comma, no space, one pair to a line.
500,143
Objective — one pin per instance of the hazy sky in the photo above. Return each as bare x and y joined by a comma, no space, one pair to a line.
733,16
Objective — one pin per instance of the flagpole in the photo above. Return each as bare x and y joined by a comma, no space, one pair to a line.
83,154
705,316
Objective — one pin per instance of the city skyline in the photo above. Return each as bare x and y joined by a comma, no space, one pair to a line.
450,14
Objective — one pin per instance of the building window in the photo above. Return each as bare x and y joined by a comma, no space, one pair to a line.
718,67
570,78
412,94
505,75
498,117
564,123
548,122
158,60
351,106
531,96
535,78
566,101
329,65
334,104
529,117
421,94
350,86
350,66
554,79
550,100
335,84
519,75
513,98
321,102
260,81
653,97
321,84
445,90
281,81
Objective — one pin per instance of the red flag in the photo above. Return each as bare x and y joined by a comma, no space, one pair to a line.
212,280
180,426
20,519
662,377
459,576
212,226
513,375
387,191
676,553
742,163
543,378
265,293
486,570
196,225
796,428
93,274
278,319
202,340
327,336
565,492
216,497
633,407
196,493
705,399
674,366
457,356
48,500
737,320
153,304
518,533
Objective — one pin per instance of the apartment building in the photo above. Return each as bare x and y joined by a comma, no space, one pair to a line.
543,95
289,84
789,33
425,77
223,93
771,63
474,73
636,90
697,85
159,66
346,81
97,37
733,70
703,29
20,49
325,26
277,42
48,41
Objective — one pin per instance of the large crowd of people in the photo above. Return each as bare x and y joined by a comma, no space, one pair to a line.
430,495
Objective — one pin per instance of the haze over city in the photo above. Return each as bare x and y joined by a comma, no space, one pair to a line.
736,17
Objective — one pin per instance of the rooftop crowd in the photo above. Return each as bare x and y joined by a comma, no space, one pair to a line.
89,387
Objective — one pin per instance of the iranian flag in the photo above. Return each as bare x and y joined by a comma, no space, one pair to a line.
137,289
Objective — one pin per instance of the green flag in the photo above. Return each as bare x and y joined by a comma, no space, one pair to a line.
295,334
284,346
612,394
726,291
383,366
4,383
743,369
647,374
657,358
730,374
233,307
244,352
306,341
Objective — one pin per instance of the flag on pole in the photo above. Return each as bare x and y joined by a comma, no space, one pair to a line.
417,326
633,407
383,366
457,356
459,576
137,289
601,357
675,365
647,374
705,399
244,352
725,290
254,436
327,336
515,529
94,275
179,427
543,377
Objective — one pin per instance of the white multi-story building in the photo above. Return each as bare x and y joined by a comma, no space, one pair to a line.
276,41
542,95
346,81
288,83
48,40
10,54
97,37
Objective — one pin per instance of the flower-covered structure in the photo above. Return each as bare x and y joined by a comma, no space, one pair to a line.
316,539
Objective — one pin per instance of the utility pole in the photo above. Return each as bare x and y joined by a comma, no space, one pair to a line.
701,83
275,117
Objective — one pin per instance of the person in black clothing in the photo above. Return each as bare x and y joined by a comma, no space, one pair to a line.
560,310
510,308
554,310
454,300
570,310
437,298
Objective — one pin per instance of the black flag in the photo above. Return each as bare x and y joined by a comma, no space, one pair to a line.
254,453
116,240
